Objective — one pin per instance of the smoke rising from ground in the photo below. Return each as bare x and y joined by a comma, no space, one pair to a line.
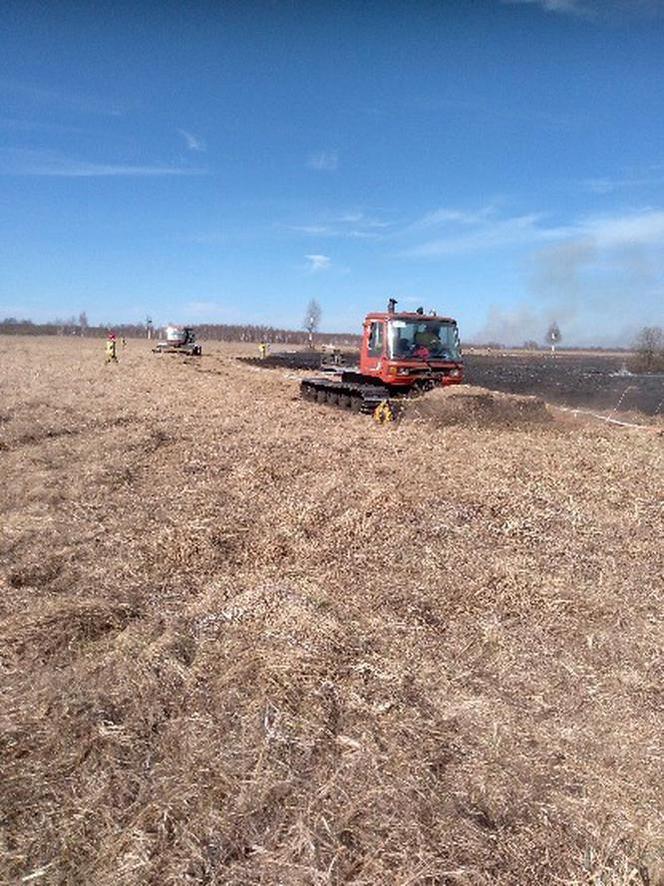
511,326
600,289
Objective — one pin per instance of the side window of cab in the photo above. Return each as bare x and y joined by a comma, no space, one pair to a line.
376,339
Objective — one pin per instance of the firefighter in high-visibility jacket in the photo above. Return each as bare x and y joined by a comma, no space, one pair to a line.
111,348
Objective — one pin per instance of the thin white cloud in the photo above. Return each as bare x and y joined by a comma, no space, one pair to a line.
571,7
39,95
602,185
312,230
349,225
208,238
24,125
324,161
448,216
639,228
609,185
645,228
327,231
318,263
488,235
600,10
49,163
352,217
361,220
193,142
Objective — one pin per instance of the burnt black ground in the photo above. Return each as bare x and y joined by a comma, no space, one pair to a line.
569,380
576,380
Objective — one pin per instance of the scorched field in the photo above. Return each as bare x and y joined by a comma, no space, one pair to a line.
250,639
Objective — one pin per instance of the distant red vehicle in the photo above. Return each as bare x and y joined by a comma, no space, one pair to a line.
402,353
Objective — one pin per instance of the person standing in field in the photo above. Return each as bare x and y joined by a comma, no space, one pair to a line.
111,348
263,349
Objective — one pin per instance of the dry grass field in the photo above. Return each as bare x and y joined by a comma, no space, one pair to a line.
248,639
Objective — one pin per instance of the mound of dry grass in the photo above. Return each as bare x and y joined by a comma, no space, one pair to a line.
476,407
249,639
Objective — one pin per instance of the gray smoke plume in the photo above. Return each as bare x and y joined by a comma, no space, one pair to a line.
598,295
510,326
601,286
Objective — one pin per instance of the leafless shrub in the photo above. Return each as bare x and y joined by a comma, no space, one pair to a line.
648,350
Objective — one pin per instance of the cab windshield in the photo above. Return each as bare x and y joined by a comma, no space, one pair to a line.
422,340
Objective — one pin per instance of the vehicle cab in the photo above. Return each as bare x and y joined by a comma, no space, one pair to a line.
411,349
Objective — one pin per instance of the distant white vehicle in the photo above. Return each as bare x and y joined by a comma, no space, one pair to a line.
179,340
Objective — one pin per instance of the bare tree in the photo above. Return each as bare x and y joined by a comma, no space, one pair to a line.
83,322
553,336
649,349
311,320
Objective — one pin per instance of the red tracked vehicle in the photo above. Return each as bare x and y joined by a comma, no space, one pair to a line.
402,354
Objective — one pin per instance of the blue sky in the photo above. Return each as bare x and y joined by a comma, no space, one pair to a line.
500,161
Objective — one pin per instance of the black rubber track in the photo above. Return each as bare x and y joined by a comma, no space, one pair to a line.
353,397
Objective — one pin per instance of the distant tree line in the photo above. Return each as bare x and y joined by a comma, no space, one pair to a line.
71,326
205,331
258,333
